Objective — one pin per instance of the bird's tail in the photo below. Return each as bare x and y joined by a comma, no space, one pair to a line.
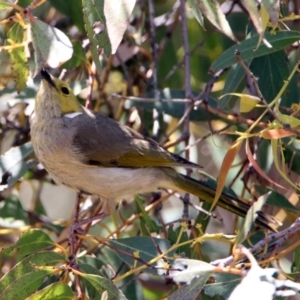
206,190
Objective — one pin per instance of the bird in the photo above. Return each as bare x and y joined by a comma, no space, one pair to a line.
96,155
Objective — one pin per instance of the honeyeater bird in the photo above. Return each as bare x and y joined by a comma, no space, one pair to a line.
93,154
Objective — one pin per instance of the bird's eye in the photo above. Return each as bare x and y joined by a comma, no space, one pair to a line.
65,90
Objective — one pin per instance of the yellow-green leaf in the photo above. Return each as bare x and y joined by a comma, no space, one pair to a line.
24,278
247,102
57,291
290,120
272,6
31,241
5,5
17,55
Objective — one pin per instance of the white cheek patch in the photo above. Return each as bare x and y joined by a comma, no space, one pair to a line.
73,115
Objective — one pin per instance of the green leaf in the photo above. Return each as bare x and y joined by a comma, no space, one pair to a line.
78,57
146,247
51,45
167,60
251,7
97,285
277,199
93,262
89,17
24,3
72,11
103,285
279,41
93,293
291,93
296,260
12,210
197,12
232,84
24,285
106,22
202,217
24,279
17,54
223,285
211,9
264,157
13,165
31,241
292,155
96,26
250,218
55,291
145,220
271,71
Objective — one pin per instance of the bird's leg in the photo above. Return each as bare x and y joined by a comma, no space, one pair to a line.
73,230
76,228
186,202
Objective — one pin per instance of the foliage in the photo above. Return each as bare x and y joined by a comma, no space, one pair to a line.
181,73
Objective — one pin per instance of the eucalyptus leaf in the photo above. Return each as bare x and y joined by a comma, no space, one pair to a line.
55,291
211,9
24,279
190,291
272,6
271,71
31,241
250,218
279,41
233,84
223,285
145,247
74,11
104,287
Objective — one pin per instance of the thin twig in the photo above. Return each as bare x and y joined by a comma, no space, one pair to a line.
188,91
205,137
149,100
179,123
105,78
171,25
181,62
272,241
153,45
203,96
126,73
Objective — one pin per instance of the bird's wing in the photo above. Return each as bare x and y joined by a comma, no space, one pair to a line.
104,142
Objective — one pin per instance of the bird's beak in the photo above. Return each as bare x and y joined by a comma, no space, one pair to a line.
47,77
